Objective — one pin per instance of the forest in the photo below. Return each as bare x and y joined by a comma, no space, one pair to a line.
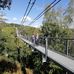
16,57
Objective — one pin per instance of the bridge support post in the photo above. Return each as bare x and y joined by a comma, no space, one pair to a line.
46,48
66,47
43,59
66,51
32,48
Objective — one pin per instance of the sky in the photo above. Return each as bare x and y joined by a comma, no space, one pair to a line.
18,7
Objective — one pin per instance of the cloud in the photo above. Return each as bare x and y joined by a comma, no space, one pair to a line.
14,19
5,17
28,19
36,24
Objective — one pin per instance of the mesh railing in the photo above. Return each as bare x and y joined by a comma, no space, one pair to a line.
62,45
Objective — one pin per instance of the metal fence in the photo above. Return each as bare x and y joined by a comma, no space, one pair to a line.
62,45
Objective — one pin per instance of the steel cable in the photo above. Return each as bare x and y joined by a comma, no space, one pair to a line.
46,10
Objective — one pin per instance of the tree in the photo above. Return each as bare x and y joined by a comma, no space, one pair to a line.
55,33
70,9
28,30
69,14
5,4
2,17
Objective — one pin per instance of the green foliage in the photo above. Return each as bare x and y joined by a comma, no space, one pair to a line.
69,14
13,48
55,30
50,29
56,34
70,9
9,42
28,30
5,4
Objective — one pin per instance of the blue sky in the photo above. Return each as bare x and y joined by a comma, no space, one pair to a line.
18,7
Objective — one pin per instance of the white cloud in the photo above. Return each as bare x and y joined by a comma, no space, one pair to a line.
5,17
14,19
28,19
36,24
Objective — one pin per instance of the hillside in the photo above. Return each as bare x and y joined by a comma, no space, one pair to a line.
14,51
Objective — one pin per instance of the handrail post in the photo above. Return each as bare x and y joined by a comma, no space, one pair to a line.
66,45
46,48
67,48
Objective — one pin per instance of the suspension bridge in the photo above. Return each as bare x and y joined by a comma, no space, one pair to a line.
63,60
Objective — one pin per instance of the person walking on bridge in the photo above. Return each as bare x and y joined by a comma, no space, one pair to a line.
33,39
37,38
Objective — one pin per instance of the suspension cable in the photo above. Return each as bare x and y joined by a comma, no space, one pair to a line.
46,10
29,10
26,10
43,11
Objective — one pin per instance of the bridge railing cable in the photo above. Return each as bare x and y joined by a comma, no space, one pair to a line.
58,44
